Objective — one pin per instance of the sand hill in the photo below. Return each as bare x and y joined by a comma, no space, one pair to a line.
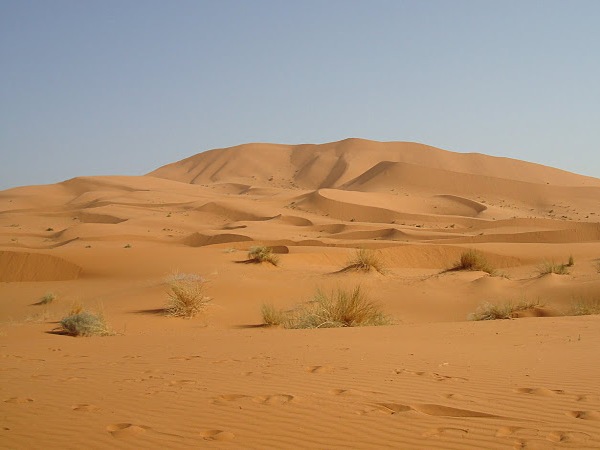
429,379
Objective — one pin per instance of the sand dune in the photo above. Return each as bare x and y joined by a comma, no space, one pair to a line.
431,379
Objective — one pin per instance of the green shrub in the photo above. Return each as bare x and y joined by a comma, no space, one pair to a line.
47,299
86,324
261,254
366,260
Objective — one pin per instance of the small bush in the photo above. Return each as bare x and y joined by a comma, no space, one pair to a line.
489,311
366,260
597,266
272,316
261,254
47,299
186,296
341,308
571,262
86,324
551,267
585,308
474,261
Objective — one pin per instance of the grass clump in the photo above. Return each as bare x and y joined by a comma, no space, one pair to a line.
585,308
47,299
185,295
548,267
597,265
272,316
489,311
261,254
340,308
474,261
366,260
85,323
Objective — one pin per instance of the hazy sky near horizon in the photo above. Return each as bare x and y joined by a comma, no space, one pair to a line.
121,87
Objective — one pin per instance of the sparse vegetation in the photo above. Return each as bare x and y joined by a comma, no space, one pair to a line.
127,246
571,261
340,308
272,316
85,323
548,267
585,308
597,265
260,254
474,261
47,299
489,311
366,260
186,295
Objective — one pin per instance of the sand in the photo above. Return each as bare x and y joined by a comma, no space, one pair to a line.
431,379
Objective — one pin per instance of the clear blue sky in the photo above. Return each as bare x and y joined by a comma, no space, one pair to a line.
125,86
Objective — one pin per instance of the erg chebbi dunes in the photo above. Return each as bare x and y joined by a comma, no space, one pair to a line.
460,237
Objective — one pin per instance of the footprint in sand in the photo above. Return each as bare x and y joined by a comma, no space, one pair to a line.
507,431
277,399
567,437
84,407
18,400
126,430
217,435
584,415
446,431
320,369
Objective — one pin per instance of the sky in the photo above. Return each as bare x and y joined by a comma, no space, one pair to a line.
121,87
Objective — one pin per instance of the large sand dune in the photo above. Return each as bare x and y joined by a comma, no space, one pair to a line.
433,379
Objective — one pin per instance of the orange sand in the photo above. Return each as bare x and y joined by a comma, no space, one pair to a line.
220,380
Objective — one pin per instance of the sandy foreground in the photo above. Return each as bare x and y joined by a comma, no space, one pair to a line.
432,379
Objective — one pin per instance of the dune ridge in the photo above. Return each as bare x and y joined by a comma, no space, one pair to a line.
431,379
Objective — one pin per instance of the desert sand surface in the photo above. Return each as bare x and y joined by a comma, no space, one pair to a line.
430,379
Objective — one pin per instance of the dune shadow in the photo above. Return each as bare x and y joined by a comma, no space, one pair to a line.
248,261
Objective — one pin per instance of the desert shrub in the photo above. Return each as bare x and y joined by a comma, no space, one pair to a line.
571,261
85,323
48,298
585,308
261,254
366,260
185,295
489,311
340,308
272,316
597,265
474,261
551,267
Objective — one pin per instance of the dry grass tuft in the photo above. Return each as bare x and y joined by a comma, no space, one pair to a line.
474,261
185,296
597,265
340,308
261,254
47,299
366,260
85,323
489,311
272,316
585,308
548,267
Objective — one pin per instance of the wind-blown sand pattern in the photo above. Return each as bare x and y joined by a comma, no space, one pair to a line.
432,379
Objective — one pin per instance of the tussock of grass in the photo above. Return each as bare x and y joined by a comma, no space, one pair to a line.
474,261
548,267
86,324
340,308
261,254
597,265
185,296
272,316
571,261
47,299
366,260
489,311
585,308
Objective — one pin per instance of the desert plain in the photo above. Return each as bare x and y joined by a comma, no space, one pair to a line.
429,379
